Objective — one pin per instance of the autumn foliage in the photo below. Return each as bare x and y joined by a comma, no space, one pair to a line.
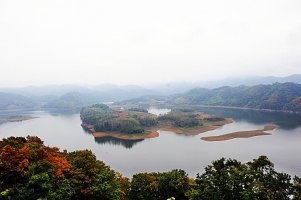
31,170
15,160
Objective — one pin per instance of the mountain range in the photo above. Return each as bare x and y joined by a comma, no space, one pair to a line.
277,96
75,97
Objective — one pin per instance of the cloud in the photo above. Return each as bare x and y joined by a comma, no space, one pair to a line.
75,41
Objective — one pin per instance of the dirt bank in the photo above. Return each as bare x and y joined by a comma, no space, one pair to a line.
151,134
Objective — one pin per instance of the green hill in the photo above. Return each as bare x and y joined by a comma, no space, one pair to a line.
278,96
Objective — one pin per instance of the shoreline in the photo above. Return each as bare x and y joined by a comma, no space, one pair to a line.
246,108
241,134
153,133
19,118
122,136
199,130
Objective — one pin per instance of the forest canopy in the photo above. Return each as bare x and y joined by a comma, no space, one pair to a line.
106,119
31,170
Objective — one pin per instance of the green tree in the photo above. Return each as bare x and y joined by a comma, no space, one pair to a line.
144,186
297,188
161,185
92,179
230,179
106,186
174,184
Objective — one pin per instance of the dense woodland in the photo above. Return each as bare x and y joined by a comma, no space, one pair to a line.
182,119
106,119
31,170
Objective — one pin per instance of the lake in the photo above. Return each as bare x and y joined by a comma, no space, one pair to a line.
171,151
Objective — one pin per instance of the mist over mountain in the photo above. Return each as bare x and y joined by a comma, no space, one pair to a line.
59,90
132,91
276,96
15,101
251,81
180,87
76,96
68,96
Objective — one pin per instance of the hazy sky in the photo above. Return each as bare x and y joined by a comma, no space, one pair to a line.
139,42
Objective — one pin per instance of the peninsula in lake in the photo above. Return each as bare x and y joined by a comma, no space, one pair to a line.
19,118
137,123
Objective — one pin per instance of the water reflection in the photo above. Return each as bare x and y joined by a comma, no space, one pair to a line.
115,141
62,112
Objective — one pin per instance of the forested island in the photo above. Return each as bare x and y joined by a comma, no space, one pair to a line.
137,123
31,170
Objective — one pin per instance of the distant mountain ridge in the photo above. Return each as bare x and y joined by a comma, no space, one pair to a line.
77,100
74,97
15,101
277,96
70,97
55,91
181,87
256,80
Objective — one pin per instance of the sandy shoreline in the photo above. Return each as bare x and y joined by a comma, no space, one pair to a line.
242,134
202,129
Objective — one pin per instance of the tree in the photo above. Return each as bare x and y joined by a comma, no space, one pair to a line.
144,186
230,179
161,185
297,188
92,179
174,184
105,186
30,170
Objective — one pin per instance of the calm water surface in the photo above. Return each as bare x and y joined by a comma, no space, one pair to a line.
169,150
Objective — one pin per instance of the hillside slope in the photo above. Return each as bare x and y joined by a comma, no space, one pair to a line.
278,96
9,101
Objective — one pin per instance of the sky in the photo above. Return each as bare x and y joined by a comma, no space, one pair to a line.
142,42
